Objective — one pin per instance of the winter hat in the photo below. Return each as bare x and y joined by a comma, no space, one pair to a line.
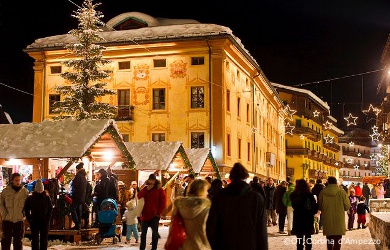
130,204
121,183
80,166
152,177
133,182
39,186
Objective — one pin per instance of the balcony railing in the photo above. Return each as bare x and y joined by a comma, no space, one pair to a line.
356,154
298,151
125,113
308,132
332,146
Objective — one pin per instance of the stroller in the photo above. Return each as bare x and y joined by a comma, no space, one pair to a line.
106,219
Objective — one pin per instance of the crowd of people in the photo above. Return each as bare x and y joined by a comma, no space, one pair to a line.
215,213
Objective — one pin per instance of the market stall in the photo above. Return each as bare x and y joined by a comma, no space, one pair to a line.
51,149
203,162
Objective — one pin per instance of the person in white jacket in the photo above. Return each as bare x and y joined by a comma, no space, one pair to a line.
12,202
130,217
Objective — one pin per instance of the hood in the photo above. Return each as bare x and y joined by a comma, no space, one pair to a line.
81,171
331,190
190,207
236,188
290,188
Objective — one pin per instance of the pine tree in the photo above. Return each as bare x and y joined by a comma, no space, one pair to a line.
86,76
382,166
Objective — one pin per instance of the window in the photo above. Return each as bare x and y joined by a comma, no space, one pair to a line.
197,140
158,98
52,100
124,109
227,100
238,75
197,60
239,148
228,145
247,113
249,151
227,65
55,69
159,63
126,137
124,65
197,97
298,123
158,136
238,106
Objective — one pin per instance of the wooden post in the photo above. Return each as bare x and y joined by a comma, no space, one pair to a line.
65,168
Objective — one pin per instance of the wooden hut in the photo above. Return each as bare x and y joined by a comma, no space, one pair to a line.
203,162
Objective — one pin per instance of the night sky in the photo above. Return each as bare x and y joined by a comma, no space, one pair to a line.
294,41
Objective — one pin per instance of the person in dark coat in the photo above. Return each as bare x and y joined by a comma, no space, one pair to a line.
100,192
280,208
305,207
269,190
216,186
38,209
237,217
78,188
257,187
316,191
366,192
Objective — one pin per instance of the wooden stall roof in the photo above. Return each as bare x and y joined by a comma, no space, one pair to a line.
158,155
202,160
63,139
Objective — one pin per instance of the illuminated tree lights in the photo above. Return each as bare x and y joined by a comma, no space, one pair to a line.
382,165
351,120
375,135
79,98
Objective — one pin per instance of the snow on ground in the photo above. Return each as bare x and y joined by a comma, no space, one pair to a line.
275,241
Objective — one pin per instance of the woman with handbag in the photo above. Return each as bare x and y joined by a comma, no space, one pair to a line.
305,207
194,209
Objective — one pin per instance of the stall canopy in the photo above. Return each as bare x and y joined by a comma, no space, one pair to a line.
165,155
97,139
202,161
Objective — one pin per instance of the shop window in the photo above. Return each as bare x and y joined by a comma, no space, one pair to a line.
158,98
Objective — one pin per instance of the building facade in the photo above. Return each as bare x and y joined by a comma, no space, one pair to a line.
312,149
178,80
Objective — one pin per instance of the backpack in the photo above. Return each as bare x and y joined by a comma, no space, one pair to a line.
113,186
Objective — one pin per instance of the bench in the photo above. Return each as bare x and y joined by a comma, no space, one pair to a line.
69,234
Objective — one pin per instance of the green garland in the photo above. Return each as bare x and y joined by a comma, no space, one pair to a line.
183,154
214,164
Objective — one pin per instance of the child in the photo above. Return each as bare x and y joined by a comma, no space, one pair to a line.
352,211
130,216
361,212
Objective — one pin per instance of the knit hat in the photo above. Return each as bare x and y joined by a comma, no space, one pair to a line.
133,182
130,204
121,183
80,166
39,186
152,177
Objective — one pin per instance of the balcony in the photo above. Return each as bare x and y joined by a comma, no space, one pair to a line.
356,154
125,113
308,132
298,151
332,146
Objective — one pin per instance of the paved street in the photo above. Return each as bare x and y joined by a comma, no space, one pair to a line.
276,241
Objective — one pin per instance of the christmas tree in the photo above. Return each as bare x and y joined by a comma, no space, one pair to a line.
79,99
382,166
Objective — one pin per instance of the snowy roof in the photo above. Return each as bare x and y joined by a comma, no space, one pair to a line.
50,139
5,118
304,91
197,157
151,21
153,155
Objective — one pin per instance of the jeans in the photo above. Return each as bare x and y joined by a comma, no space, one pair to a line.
153,224
76,210
132,229
304,241
281,221
15,230
39,235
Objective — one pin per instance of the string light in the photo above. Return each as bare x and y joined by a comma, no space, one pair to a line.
351,144
356,167
371,109
290,112
328,139
327,125
316,113
289,129
302,137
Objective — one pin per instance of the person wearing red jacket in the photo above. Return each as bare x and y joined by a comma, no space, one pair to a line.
358,191
154,204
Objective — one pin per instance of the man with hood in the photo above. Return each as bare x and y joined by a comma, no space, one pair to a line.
38,209
333,202
78,190
237,217
12,202
100,192
155,203
366,192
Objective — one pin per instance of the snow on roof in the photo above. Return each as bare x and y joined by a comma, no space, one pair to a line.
304,91
197,157
8,117
50,139
153,155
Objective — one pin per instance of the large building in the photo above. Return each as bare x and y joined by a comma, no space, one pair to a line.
312,149
179,80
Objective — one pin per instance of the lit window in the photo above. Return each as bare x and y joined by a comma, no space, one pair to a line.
158,136
158,98
55,69
197,140
52,100
197,97
124,65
